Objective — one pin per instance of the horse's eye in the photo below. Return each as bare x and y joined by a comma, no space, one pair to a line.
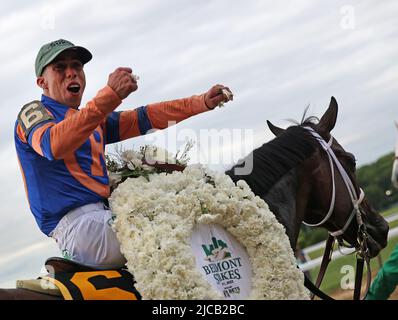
347,158
351,160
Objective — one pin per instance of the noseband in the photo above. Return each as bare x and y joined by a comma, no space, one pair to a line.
361,248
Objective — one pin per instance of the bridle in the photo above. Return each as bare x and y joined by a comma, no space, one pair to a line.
361,248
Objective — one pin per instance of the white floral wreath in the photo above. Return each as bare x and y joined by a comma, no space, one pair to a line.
155,216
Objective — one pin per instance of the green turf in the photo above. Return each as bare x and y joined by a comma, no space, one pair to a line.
393,224
389,211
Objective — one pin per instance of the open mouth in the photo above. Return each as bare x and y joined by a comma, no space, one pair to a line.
74,88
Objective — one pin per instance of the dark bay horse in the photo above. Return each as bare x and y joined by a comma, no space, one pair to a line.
292,173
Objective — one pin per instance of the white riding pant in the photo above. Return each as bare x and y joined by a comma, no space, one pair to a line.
84,235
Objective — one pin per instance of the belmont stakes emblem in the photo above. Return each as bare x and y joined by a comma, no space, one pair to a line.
215,251
222,260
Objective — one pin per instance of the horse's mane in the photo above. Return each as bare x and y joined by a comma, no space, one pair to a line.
277,157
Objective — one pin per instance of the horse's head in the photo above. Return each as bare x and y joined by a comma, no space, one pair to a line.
324,198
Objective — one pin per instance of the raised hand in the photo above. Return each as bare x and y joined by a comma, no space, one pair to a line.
217,95
123,82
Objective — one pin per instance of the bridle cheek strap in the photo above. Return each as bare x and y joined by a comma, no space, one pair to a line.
326,146
356,212
356,201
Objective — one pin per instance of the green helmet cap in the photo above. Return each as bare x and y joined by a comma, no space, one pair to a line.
50,51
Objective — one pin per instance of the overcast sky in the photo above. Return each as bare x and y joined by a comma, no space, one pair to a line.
276,56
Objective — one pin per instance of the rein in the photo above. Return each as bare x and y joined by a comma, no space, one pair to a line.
361,248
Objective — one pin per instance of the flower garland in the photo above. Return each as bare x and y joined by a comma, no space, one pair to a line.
148,160
156,213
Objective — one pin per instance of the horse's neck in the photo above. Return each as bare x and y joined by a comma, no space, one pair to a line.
281,199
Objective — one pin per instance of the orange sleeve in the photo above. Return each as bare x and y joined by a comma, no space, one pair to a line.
160,114
21,134
62,138
128,126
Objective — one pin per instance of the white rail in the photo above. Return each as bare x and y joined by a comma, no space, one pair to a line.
311,264
320,245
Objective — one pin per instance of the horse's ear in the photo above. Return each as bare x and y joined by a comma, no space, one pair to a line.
274,129
328,120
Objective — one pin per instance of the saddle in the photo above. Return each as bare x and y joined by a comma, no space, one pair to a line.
74,281
57,264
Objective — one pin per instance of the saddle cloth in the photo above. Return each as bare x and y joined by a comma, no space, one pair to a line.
95,285
77,282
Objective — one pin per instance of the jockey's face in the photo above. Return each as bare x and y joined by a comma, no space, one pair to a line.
64,80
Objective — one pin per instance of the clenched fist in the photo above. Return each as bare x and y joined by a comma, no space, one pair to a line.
122,82
217,95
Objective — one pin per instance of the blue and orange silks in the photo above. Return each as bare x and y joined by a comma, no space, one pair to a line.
62,157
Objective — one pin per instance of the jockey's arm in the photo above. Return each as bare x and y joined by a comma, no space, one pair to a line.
132,123
54,140
127,124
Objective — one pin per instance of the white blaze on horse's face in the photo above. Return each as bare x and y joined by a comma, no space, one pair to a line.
394,174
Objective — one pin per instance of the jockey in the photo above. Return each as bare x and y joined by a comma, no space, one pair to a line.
60,149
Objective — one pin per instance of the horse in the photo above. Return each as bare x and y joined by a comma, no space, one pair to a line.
394,174
294,175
